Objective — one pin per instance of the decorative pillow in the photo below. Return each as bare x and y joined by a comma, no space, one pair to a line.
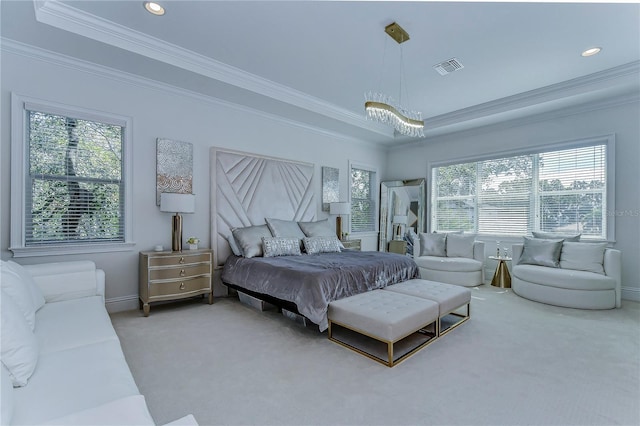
19,345
281,246
314,245
233,245
27,279
285,228
583,256
13,286
543,252
556,236
320,228
460,245
249,239
433,244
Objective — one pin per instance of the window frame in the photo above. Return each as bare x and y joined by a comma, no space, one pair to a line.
19,163
375,195
608,203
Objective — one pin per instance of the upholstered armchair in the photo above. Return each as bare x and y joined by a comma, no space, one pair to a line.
452,258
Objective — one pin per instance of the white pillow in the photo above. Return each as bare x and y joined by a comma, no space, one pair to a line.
320,228
460,245
583,256
249,239
19,351
13,286
34,289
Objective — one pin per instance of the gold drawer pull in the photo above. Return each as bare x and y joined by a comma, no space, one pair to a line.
181,286
181,259
182,272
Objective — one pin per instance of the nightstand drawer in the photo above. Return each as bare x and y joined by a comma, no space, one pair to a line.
179,259
170,288
186,271
352,244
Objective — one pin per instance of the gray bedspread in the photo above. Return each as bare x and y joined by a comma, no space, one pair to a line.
313,281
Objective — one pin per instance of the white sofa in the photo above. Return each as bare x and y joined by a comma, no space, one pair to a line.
65,354
465,271
567,287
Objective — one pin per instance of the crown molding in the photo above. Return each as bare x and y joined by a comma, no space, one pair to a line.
57,59
68,18
538,96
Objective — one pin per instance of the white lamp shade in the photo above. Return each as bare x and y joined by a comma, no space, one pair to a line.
400,219
177,203
340,208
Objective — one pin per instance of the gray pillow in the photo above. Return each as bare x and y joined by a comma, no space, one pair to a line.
281,246
460,245
539,251
583,256
320,228
284,228
249,239
235,249
313,245
433,244
556,236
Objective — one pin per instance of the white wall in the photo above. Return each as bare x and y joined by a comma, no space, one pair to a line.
159,111
411,161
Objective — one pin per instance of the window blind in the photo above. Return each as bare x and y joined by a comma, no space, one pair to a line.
363,204
75,188
560,191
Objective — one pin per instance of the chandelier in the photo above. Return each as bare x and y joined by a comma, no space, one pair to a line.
385,109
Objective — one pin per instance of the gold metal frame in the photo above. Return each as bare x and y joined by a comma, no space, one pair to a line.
390,344
454,325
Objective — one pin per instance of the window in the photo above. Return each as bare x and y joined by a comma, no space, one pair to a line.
73,190
561,191
363,198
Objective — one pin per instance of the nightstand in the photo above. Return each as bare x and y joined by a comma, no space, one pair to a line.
352,244
174,275
398,246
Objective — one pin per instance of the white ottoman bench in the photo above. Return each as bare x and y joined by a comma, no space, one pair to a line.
448,296
387,317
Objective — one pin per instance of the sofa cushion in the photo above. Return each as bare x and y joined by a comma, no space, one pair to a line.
66,280
563,278
583,256
6,397
449,264
19,346
72,323
433,244
460,245
72,380
541,252
131,410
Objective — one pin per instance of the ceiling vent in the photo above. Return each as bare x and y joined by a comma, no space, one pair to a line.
447,67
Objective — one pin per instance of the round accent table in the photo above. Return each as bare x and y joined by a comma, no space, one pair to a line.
502,277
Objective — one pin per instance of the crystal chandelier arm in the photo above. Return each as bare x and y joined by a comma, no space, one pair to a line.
389,109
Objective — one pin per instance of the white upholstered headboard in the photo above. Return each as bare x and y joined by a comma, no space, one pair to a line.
247,188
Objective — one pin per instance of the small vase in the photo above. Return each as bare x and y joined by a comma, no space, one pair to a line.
193,247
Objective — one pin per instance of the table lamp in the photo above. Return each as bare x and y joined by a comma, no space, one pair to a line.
177,203
340,208
401,222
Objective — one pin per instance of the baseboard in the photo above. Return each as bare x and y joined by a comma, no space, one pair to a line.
123,303
631,293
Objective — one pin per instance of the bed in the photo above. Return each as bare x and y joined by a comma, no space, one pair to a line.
309,282
246,190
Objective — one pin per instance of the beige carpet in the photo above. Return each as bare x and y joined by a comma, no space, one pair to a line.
515,362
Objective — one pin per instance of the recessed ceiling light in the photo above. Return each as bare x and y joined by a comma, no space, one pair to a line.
591,52
154,8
